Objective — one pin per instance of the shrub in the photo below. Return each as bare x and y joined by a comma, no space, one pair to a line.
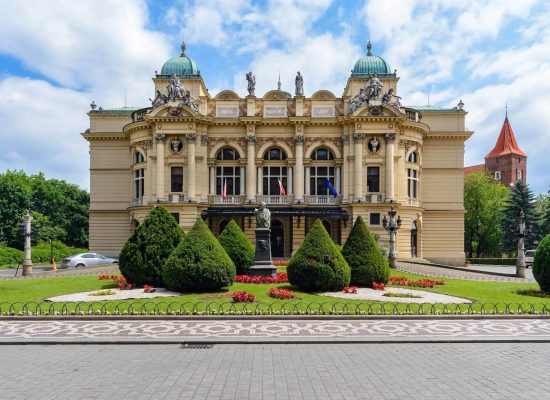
145,252
238,247
10,256
318,264
41,252
198,263
364,257
541,264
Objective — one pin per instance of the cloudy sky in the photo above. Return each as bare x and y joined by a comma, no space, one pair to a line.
58,56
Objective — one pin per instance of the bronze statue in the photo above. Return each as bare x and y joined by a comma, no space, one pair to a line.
263,216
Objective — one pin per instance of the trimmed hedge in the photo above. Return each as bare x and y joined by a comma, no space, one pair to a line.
318,264
40,253
198,263
364,257
493,261
10,256
238,247
147,249
541,264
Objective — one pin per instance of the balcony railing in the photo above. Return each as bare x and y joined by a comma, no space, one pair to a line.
137,202
413,202
282,200
375,198
322,200
232,199
176,198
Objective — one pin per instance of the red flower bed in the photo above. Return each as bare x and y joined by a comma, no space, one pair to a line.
281,293
280,263
119,280
378,286
281,277
350,289
148,288
243,297
422,283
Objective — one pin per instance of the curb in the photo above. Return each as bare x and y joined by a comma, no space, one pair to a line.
464,269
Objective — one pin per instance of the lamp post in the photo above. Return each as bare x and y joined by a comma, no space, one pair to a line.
26,230
392,227
520,263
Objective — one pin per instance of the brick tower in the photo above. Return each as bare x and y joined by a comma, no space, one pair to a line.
507,162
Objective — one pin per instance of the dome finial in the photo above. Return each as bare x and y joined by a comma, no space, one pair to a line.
369,47
183,47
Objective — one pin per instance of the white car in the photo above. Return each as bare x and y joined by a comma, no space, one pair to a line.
529,256
87,260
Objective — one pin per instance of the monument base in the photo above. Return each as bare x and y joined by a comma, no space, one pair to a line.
263,265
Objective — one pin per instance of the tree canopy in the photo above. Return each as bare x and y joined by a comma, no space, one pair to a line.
521,199
59,209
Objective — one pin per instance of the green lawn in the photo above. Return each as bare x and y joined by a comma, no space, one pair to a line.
36,290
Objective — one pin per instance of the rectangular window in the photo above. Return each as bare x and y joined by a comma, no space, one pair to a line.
412,178
176,179
230,178
271,176
176,217
139,183
373,179
497,175
374,219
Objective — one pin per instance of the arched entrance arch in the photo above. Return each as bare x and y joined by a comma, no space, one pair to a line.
277,238
414,240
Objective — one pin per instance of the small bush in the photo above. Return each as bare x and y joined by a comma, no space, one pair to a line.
541,264
146,251
364,257
199,263
238,247
41,253
10,256
318,264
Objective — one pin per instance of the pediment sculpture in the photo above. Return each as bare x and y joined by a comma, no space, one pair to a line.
177,96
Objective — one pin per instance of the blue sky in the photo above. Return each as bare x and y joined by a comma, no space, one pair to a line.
58,56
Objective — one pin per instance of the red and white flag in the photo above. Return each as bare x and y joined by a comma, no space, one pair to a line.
224,191
282,188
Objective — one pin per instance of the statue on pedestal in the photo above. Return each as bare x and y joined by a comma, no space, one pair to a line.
251,79
262,259
263,216
299,84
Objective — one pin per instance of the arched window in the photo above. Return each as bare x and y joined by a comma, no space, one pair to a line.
322,154
275,154
139,183
228,154
412,183
138,157
413,157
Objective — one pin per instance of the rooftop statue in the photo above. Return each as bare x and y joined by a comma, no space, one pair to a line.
388,97
263,216
251,79
299,84
176,91
374,87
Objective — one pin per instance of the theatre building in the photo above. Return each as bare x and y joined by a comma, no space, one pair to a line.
324,157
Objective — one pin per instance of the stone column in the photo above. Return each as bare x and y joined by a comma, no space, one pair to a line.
27,257
160,166
259,188
390,155
345,169
250,168
241,188
299,167
191,187
337,180
308,189
212,180
289,185
358,167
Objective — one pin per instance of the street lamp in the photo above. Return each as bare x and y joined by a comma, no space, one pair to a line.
520,263
392,227
26,231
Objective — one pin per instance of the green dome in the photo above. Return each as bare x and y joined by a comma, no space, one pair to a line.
370,64
181,66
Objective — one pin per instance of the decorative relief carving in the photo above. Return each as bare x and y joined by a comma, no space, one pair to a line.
227,96
204,140
191,136
309,142
259,110
211,109
390,137
214,141
307,109
160,136
376,110
250,138
299,138
374,145
291,109
339,109
242,110
408,144
358,137
275,95
176,145
144,145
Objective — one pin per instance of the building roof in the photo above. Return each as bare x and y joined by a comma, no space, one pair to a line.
506,142
473,168
370,64
181,66
435,109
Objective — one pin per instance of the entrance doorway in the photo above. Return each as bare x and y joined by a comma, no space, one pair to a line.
327,226
277,238
414,240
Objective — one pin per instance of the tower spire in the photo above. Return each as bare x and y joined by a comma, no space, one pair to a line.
506,110
279,81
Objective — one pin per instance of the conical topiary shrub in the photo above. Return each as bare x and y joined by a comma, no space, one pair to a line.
318,264
198,263
541,264
364,257
152,242
238,247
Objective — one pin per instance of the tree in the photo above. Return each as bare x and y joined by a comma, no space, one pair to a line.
364,256
14,203
198,263
145,252
484,201
542,209
541,264
318,264
238,247
521,198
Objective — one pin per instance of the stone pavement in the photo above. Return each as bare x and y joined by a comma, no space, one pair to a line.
224,330
422,371
451,273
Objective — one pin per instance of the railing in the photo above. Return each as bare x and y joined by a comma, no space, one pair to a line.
413,115
323,200
176,198
232,199
375,198
271,199
139,115
413,202
137,202
340,307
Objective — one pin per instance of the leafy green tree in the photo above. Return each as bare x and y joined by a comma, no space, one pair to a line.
364,256
542,209
238,247
318,263
198,263
145,252
521,198
484,201
541,264
43,229
14,202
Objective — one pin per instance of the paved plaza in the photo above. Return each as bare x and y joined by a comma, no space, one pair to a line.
441,371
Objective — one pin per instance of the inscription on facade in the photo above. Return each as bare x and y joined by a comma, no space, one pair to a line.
272,111
323,111
227,111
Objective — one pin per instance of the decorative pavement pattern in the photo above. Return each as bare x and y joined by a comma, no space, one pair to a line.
271,331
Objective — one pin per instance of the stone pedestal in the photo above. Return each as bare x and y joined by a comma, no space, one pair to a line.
262,261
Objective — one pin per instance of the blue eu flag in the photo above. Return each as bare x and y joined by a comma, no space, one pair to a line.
330,188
